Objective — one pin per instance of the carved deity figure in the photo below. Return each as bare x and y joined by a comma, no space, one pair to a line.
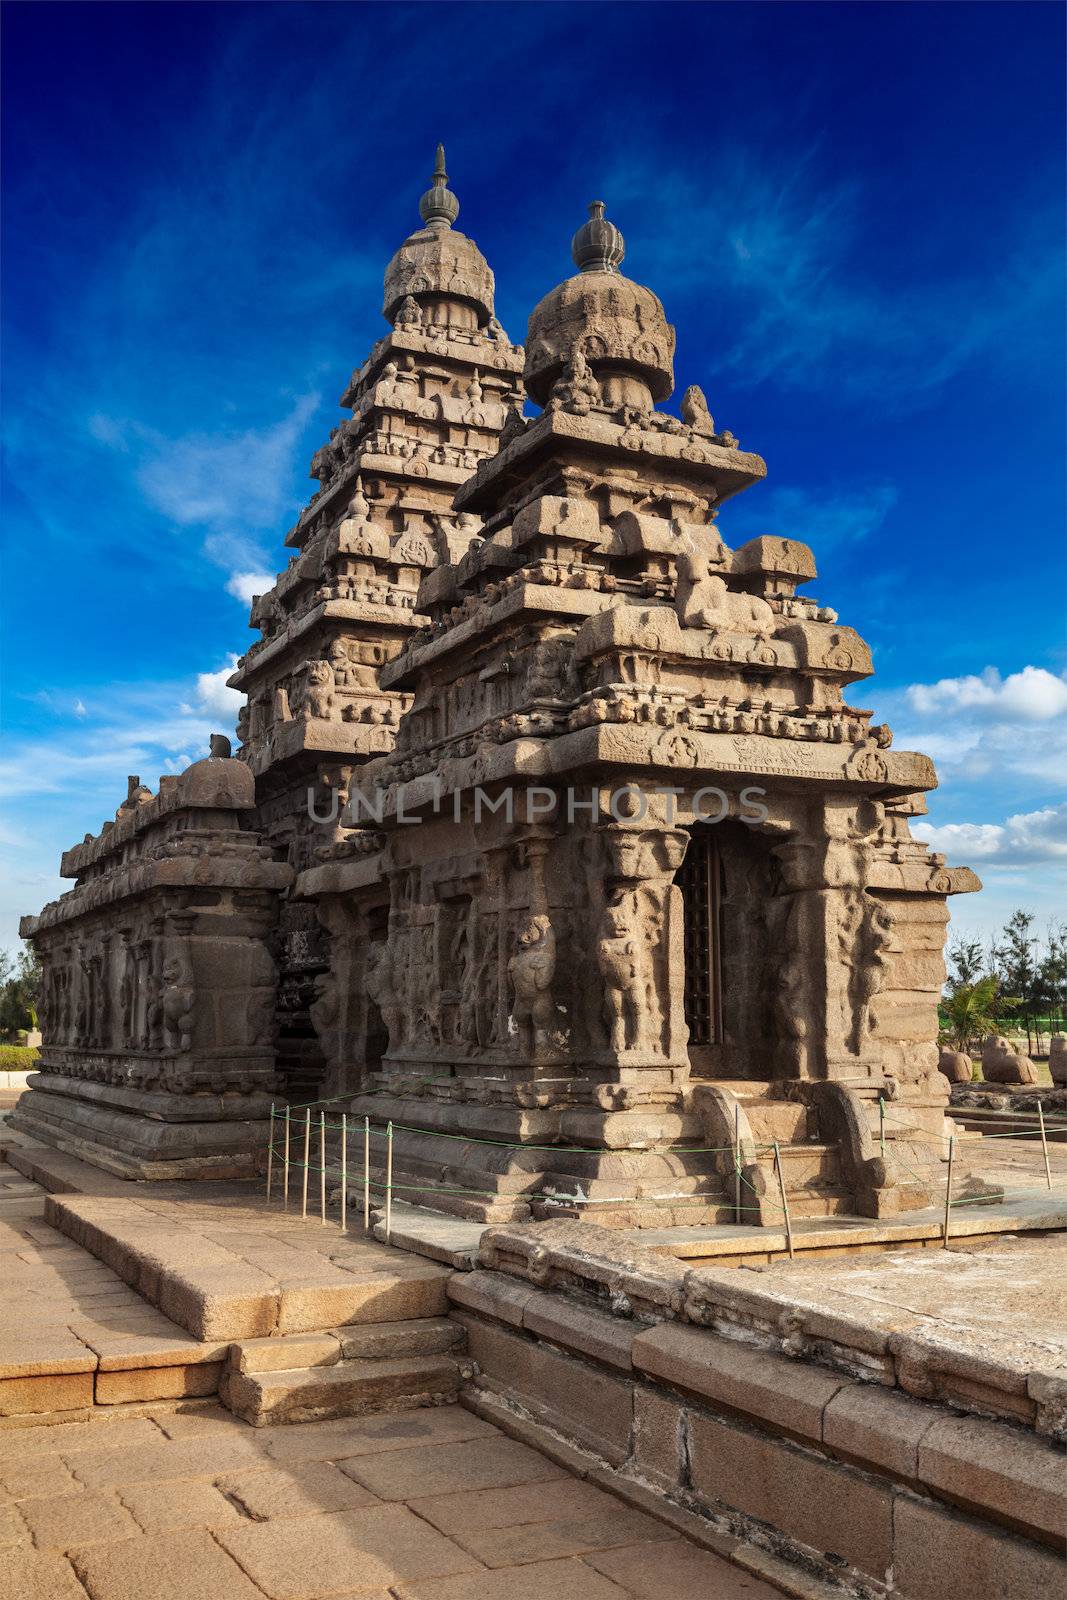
695,413
128,993
318,690
378,981
177,1000
702,599
531,970
623,962
409,315
575,389
864,934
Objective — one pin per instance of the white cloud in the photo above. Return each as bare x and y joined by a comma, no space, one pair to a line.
987,727
244,585
1028,838
215,697
79,708
225,482
1033,694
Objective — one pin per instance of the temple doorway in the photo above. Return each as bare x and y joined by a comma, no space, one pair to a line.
700,879
728,903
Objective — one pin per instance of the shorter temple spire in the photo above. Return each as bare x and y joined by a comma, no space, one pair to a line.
598,246
439,207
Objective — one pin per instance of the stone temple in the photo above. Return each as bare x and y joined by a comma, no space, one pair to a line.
550,837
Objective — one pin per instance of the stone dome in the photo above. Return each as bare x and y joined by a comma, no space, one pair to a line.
617,324
438,262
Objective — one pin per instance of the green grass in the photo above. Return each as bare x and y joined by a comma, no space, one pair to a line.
17,1058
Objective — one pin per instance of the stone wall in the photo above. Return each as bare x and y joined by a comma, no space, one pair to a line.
813,1456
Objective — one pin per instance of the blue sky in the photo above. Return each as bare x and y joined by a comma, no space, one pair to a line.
853,214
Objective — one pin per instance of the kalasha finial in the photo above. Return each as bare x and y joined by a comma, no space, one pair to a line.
598,246
439,207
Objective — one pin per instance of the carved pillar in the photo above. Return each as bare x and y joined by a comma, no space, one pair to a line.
833,938
339,1012
640,953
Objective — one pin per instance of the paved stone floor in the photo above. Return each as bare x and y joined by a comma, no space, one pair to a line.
196,1505
421,1505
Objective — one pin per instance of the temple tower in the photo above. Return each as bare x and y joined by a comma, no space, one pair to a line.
662,901
426,407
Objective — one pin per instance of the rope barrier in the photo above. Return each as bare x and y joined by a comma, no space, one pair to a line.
428,1187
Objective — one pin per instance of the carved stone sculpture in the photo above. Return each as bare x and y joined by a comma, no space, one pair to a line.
531,970
622,962
956,1066
1057,1059
1002,1063
702,599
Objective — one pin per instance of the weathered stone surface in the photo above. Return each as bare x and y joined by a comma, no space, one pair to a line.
833,1510
791,1395
423,1336
876,1427
184,1565
292,1558
936,1553
647,1572
1057,1059
295,1491
351,1437
478,1510
540,1580
297,1350
448,1468
350,1388
158,1383
75,1520
588,1403
171,1504
998,1472
56,1392
42,1574
565,1536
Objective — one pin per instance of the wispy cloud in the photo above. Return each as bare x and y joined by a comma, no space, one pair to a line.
838,515
776,252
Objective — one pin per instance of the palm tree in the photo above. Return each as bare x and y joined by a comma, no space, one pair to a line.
969,1009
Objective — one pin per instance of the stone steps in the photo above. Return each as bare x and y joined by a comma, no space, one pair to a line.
346,1372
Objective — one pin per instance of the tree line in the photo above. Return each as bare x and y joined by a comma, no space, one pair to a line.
20,985
1016,980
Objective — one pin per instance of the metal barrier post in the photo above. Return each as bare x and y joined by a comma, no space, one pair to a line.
366,1174
881,1125
738,1218
388,1182
948,1187
344,1172
285,1170
1044,1144
270,1150
785,1200
322,1167
307,1160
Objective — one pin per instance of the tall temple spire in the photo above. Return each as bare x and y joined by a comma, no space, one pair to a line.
598,246
439,207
